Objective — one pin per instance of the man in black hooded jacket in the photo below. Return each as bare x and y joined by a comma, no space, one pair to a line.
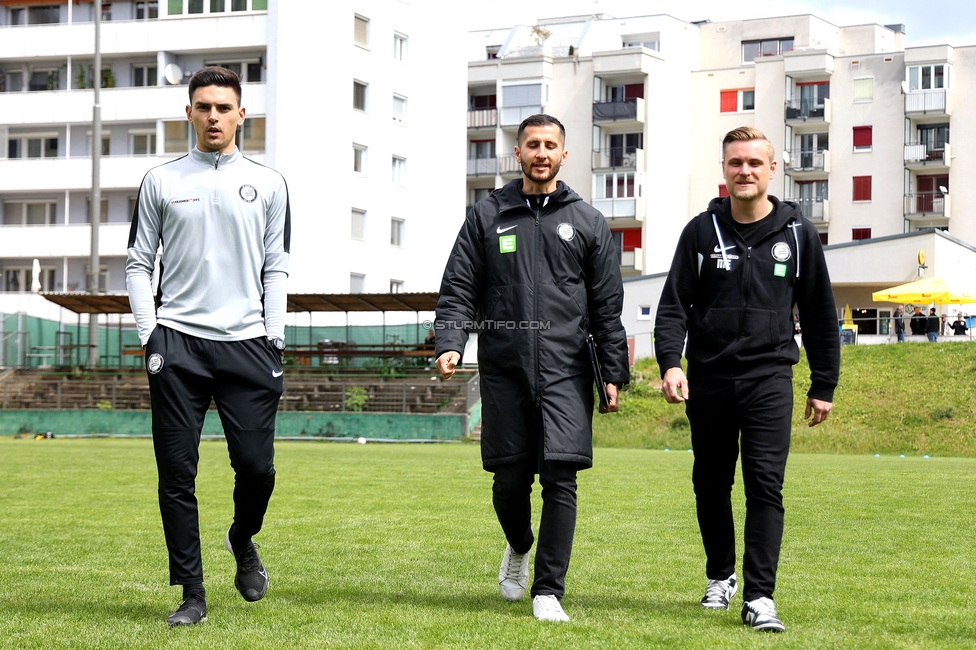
739,269
534,271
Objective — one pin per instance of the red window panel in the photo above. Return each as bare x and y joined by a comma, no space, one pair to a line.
862,137
860,233
632,239
823,239
862,188
730,101
723,191
633,91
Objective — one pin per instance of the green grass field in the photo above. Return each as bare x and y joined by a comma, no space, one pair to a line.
396,546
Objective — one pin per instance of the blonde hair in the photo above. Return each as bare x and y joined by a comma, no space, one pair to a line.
746,133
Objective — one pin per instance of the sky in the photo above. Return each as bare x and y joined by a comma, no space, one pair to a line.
950,22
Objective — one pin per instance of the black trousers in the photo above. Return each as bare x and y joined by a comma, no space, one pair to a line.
762,411
244,379
511,492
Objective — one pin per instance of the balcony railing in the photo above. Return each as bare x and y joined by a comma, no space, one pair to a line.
508,164
623,208
928,153
928,101
808,109
808,160
814,209
482,166
482,118
619,158
922,205
513,115
632,259
631,109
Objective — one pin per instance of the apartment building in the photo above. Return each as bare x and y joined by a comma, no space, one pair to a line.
861,122
338,98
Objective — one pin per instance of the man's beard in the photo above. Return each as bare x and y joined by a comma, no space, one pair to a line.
527,170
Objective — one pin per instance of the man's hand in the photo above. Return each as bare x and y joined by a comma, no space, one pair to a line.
675,386
446,363
612,404
819,409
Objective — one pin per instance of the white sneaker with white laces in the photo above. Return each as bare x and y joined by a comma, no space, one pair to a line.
513,576
547,608
718,593
760,614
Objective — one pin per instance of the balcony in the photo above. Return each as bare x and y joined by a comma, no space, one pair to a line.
925,102
482,166
928,155
624,158
62,240
808,161
632,262
483,119
631,110
508,165
801,111
623,208
922,206
814,209
513,115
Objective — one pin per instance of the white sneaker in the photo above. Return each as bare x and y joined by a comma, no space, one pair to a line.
718,593
547,608
760,614
513,576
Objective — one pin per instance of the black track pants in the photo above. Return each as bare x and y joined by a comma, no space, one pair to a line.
762,410
244,379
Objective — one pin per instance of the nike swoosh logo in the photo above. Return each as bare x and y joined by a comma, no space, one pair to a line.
500,230
719,250
277,373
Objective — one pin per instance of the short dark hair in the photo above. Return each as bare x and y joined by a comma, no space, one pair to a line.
540,119
214,75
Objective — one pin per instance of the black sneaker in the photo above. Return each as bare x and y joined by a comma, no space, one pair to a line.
718,593
193,610
760,614
252,578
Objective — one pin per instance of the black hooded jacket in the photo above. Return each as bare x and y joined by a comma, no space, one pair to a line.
735,302
533,280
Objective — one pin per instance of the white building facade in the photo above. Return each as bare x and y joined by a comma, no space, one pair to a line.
338,97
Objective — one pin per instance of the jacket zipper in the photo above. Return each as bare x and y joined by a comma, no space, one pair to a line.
746,274
535,302
214,199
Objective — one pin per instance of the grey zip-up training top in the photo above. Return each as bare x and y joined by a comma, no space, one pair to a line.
224,225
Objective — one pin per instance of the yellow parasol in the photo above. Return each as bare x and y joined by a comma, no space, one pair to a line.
926,290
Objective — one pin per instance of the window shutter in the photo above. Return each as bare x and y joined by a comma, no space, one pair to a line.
862,136
723,191
730,101
862,188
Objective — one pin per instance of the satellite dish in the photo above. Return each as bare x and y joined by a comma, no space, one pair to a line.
904,87
786,156
943,189
173,74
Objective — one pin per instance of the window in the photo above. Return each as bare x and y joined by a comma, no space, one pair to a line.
20,278
624,93
106,143
858,234
359,95
248,70
252,134
399,47
644,312
359,158
928,77
650,41
103,213
44,80
862,188
862,138
11,81
194,6
481,102
360,31
399,170
358,224
615,186
32,146
45,15
723,191
142,143
396,232
143,75
176,7
29,213
751,50
864,89
176,137
523,95
492,51
396,286
736,101
399,109
147,10
357,283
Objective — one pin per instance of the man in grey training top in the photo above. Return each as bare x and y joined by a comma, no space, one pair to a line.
215,328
